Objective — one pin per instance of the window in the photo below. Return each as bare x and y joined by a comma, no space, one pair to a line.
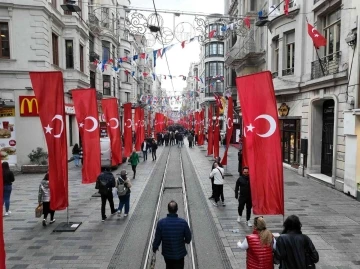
127,77
213,82
53,3
69,51
276,57
55,49
127,97
127,54
106,50
106,85
4,40
67,12
332,32
92,79
290,54
253,5
214,49
81,58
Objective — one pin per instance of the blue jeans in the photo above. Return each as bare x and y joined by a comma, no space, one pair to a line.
124,200
145,155
76,159
7,192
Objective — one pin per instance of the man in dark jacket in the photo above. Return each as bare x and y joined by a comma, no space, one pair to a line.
190,139
243,184
173,232
104,183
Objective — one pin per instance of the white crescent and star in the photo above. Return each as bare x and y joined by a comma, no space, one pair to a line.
48,128
128,125
94,121
117,123
230,124
315,34
269,119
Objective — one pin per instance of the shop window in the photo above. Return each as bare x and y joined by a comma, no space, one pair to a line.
290,131
4,40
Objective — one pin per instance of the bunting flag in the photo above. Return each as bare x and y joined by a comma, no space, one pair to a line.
212,33
142,55
183,44
229,129
137,120
127,130
263,142
111,115
154,57
247,22
210,149
216,134
86,112
49,92
2,244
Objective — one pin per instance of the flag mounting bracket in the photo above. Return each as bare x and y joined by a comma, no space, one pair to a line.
67,227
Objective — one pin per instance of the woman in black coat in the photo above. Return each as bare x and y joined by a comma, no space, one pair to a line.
8,179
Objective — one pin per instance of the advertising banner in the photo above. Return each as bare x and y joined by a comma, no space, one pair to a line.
7,135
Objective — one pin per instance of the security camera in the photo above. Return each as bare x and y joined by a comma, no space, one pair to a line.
351,39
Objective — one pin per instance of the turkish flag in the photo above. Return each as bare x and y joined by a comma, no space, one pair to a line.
127,130
318,39
137,129
49,92
2,244
201,128
286,7
217,134
142,124
86,112
111,115
229,129
210,149
161,122
197,120
149,124
263,148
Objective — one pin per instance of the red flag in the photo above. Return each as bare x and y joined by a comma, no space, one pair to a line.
183,44
149,124
127,130
2,244
229,129
217,134
197,78
318,39
212,33
145,74
127,72
111,115
137,129
157,123
197,120
286,7
161,122
49,92
247,22
210,149
263,148
125,59
142,55
218,101
201,128
86,111
159,53
142,125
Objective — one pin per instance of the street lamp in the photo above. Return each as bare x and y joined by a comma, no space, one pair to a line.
71,6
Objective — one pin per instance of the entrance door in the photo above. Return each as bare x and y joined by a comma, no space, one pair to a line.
327,138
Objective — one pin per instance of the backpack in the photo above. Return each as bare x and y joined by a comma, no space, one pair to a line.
121,188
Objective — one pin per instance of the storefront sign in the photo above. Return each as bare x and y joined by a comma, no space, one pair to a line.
103,129
29,106
283,110
69,109
7,135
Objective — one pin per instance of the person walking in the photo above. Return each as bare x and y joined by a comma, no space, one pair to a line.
243,194
154,147
134,161
104,183
295,250
76,154
8,179
218,161
44,200
180,140
190,139
173,232
218,174
123,186
259,246
144,149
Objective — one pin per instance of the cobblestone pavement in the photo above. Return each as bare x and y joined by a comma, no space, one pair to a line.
329,217
30,245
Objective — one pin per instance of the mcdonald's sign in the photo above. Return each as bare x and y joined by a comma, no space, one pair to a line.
29,106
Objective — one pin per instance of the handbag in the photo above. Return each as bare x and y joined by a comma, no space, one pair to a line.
38,211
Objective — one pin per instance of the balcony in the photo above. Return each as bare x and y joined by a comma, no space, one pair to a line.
94,23
329,65
250,52
288,71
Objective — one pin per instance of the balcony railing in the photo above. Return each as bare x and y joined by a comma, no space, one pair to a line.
288,71
94,20
93,56
274,74
327,65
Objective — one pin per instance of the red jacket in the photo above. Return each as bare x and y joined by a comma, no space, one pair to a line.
258,256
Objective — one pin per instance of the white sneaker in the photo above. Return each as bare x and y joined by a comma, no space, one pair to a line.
119,213
249,223
6,214
125,215
215,204
238,219
9,212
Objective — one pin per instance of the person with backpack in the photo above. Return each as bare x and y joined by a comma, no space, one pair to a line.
134,161
123,186
104,183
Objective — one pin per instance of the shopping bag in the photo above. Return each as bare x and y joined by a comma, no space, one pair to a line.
153,261
38,211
